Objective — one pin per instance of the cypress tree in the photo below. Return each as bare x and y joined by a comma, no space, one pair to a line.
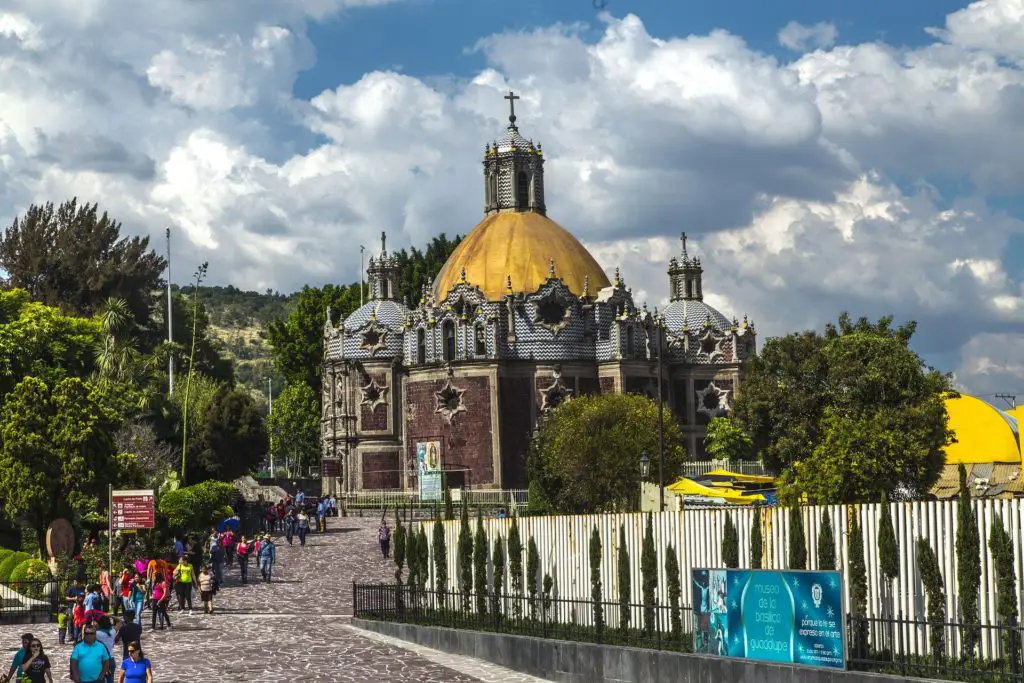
532,570
498,590
399,549
515,566
440,562
858,588
968,569
649,576
756,540
549,584
423,550
449,508
624,581
1001,546
826,543
412,554
465,558
797,539
730,544
675,592
596,589
931,577
888,555
480,565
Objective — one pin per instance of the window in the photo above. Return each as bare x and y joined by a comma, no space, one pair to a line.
421,346
384,293
448,330
630,341
492,189
480,340
523,190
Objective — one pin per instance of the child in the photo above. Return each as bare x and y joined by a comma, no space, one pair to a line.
78,617
62,624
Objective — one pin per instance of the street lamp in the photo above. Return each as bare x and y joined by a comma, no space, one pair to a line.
645,465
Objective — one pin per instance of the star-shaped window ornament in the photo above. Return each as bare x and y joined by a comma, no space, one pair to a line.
713,401
552,313
373,339
374,394
554,395
711,344
449,401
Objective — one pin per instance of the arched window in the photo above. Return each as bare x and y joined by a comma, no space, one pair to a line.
630,341
448,330
384,293
480,340
523,190
492,189
421,346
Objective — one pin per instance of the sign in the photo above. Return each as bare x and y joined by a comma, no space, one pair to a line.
786,617
428,460
331,467
131,510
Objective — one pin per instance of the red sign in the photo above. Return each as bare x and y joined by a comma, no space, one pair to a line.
132,510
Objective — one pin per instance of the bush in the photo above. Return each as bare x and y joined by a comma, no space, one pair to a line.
8,565
30,577
5,553
196,508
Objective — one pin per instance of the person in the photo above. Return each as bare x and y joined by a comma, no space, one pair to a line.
78,619
217,560
21,655
321,517
179,547
135,668
105,634
74,592
127,580
243,552
37,665
106,590
384,536
183,576
137,596
62,624
268,554
129,632
289,525
300,499
279,512
89,659
161,596
229,546
303,526
206,589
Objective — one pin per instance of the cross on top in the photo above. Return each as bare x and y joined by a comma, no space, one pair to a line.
512,97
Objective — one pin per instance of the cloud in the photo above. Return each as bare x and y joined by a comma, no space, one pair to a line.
800,37
856,177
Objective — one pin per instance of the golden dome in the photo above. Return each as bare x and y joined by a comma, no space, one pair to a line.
984,434
520,245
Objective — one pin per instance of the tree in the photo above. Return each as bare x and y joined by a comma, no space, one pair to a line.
846,415
234,438
465,557
730,544
74,258
399,553
826,543
56,451
532,572
294,427
931,577
419,268
596,589
756,540
190,312
413,555
199,275
624,582
480,565
1000,544
515,565
423,558
858,588
888,556
498,589
440,561
797,539
968,569
649,576
726,440
585,456
195,508
449,507
675,592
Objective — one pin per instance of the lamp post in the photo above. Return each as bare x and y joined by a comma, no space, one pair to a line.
645,471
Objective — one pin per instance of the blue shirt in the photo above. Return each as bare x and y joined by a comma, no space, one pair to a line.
135,671
179,548
92,601
19,657
90,659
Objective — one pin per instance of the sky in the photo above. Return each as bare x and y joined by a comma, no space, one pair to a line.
822,156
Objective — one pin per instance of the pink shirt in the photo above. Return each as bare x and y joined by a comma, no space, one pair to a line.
159,591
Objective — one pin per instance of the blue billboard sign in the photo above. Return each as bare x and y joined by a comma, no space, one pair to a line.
786,617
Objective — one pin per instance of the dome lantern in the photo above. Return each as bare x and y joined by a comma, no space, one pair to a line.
685,277
513,171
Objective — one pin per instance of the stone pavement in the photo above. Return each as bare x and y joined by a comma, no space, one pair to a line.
295,628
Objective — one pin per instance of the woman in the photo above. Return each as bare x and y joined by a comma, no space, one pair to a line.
161,597
37,666
138,597
206,589
243,559
303,527
135,669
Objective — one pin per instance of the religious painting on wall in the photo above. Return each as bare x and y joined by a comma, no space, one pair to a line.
428,459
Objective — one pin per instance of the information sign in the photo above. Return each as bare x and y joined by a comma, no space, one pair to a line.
787,617
131,510
331,467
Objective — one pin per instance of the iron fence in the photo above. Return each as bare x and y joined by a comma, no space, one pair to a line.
23,602
496,498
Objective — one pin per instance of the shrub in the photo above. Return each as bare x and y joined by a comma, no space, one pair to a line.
968,569
649,577
797,540
826,543
465,551
480,551
196,508
730,544
5,553
440,553
596,589
756,540
30,577
624,581
8,565
931,577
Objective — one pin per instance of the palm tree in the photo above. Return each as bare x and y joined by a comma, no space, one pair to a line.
118,359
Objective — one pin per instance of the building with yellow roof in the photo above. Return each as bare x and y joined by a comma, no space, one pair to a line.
987,444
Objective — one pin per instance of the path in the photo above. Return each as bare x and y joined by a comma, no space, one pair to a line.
293,629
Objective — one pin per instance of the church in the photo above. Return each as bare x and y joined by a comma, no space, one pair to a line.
519,319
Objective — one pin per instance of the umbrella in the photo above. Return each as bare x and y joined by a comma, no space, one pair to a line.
94,614
230,522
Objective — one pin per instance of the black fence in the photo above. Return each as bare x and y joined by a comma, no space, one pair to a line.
900,646
24,602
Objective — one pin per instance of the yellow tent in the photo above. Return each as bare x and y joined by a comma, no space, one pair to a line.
741,478
984,434
688,487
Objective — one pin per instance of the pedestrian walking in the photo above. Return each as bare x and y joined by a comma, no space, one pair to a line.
36,666
137,596
105,634
243,551
321,517
289,525
217,560
161,598
183,576
128,632
89,659
268,555
303,525
135,668
384,536
206,589
20,656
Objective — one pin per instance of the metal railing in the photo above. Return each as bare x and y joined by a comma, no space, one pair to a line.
507,498
702,467
23,602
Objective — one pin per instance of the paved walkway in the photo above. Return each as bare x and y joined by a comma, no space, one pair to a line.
295,628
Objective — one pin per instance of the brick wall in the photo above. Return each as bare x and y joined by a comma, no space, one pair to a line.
514,414
380,470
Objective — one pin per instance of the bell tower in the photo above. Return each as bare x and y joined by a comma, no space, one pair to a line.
684,277
382,273
513,170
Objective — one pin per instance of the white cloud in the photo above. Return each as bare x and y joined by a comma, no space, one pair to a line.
169,113
800,37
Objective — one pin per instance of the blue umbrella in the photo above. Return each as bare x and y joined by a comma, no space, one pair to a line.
231,522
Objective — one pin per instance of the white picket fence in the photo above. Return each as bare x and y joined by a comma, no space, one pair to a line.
563,545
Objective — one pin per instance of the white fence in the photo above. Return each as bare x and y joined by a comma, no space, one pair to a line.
699,468
509,498
563,544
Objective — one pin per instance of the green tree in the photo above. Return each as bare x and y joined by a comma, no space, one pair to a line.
649,577
625,589
532,571
413,555
234,438
596,588
423,551
196,508
675,592
756,540
797,539
585,456
465,557
199,275
419,268
515,566
826,543
858,588
968,568
727,440
730,544
440,561
449,507
888,556
399,553
498,588
931,577
70,256
56,451
846,415
294,427
190,312
480,565
1000,544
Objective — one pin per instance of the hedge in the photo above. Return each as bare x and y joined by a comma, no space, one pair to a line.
5,553
196,508
8,565
30,577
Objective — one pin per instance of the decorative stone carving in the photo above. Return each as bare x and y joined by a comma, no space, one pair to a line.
713,401
374,394
373,338
552,396
711,344
450,401
552,314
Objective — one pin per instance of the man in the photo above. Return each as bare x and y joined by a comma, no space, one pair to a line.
74,592
20,656
179,547
300,499
89,659
129,632
268,555
183,583
217,559
289,524
321,517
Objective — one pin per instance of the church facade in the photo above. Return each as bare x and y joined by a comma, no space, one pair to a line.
519,319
